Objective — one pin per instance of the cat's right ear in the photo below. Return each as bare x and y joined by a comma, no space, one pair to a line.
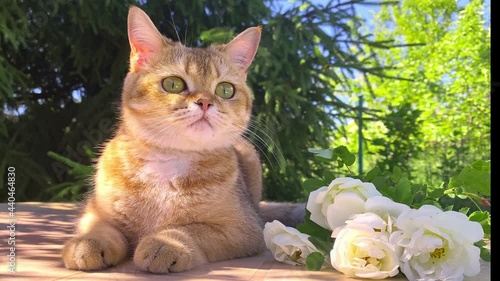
242,49
145,40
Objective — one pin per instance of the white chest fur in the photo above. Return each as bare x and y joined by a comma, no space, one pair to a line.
161,168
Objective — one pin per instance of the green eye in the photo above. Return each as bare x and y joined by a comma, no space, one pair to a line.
173,84
224,90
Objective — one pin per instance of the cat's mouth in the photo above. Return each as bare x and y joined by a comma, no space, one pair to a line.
200,123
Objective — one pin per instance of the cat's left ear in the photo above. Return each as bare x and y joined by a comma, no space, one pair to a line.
242,49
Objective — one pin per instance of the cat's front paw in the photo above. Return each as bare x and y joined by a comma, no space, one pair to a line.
90,254
161,254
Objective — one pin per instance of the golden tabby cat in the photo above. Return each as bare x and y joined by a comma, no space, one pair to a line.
178,185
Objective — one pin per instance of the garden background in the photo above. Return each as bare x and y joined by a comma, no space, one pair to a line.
405,85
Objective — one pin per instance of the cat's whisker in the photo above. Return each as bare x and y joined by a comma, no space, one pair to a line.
256,120
173,127
258,139
185,33
278,156
174,121
275,145
236,135
165,124
173,25
262,151
265,144
260,126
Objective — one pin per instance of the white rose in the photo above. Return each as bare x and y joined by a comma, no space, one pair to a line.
332,205
362,249
437,245
382,206
385,207
287,244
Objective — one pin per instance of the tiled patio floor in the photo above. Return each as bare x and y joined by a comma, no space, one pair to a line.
42,228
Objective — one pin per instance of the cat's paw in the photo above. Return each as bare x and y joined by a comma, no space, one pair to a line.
161,254
90,254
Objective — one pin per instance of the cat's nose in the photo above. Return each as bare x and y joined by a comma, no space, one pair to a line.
204,103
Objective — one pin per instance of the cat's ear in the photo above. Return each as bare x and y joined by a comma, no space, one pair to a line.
242,49
145,40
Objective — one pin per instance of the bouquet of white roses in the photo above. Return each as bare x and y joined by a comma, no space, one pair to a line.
351,226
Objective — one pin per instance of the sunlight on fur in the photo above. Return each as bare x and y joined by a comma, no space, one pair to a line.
179,184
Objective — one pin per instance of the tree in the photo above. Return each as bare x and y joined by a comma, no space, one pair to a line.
445,93
62,65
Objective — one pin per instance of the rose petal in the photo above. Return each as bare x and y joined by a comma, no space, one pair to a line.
346,204
314,206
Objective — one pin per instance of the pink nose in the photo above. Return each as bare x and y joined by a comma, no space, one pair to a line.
204,103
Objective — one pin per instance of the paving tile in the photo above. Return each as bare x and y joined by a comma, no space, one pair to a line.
42,228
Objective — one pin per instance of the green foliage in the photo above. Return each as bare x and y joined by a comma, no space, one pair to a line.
484,251
484,218
395,184
62,65
71,190
427,110
314,261
340,154
473,178
403,136
437,118
320,237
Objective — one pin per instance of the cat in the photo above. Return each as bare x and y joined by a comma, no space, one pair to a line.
178,185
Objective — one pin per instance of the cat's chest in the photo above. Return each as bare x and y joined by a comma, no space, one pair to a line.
163,169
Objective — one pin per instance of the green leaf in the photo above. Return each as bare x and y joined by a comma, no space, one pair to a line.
313,229
341,150
418,197
324,246
397,174
371,174
436,193
419,188
487,229
347,157
314,261
324,153
77,167
328,176
464,210
474,178
311,185
383,187
402,191
480,243
481,165
482,217
485,253
479,216
431,201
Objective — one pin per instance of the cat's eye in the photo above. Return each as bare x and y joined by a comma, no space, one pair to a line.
225,90
173,84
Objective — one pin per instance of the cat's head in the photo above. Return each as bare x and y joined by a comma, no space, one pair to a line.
186,98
